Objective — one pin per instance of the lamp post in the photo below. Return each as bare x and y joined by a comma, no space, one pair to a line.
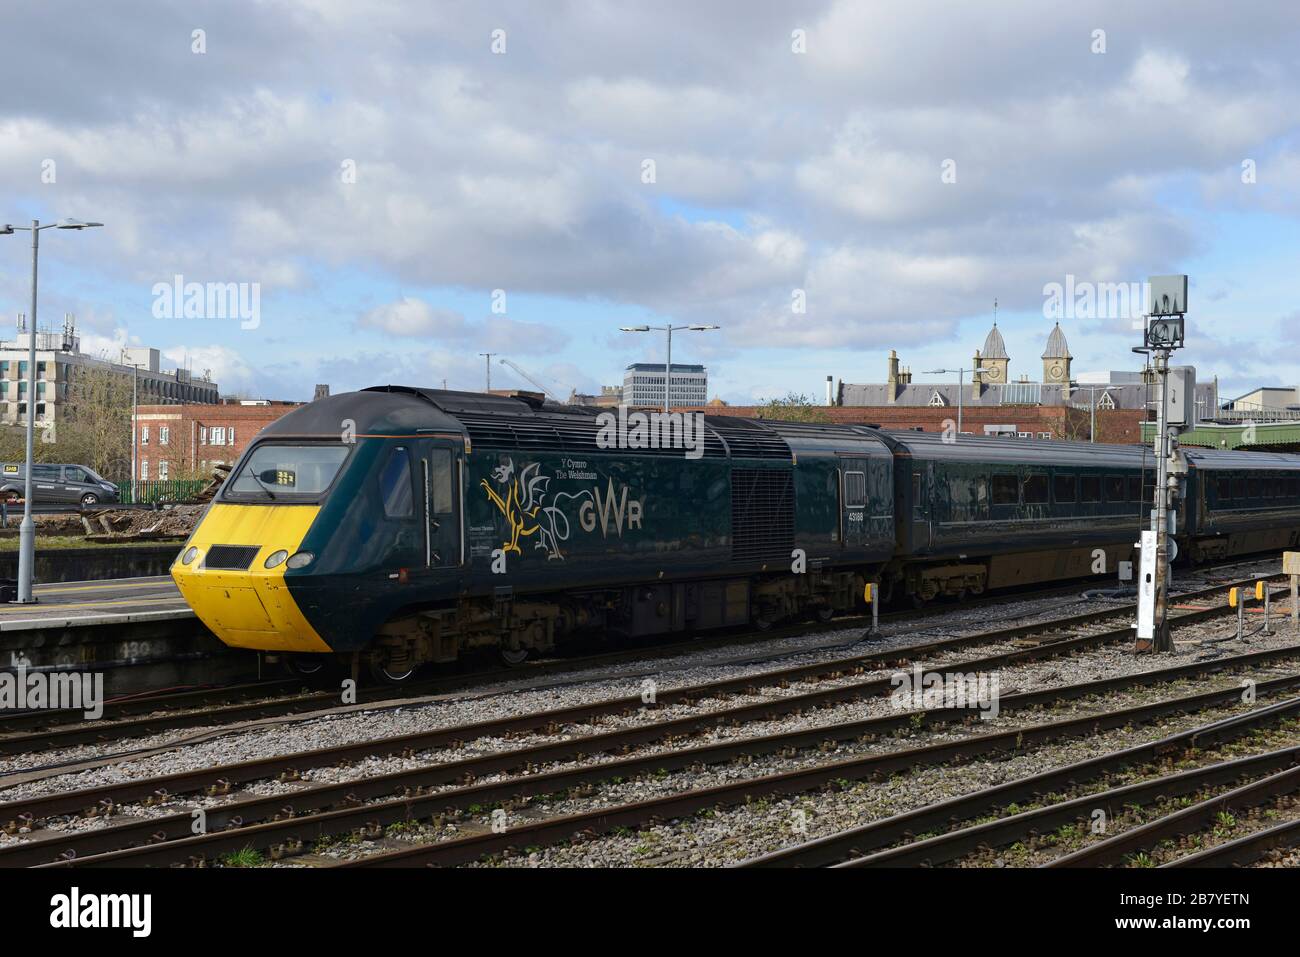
668,365
135,417
1092,408
961,386
27,530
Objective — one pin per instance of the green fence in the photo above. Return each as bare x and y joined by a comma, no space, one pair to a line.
166,490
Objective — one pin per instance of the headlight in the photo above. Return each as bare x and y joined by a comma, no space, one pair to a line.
191,553
301,560
276,558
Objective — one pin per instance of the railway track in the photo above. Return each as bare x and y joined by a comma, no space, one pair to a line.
1247,850
1144,844
870,844
639,814
290,821
128,721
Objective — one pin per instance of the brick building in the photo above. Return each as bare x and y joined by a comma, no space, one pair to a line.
183,441
1118,426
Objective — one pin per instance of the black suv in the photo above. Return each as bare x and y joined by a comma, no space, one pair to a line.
57,484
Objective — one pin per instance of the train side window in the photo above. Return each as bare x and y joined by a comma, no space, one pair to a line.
1065,488
1006,490
1114,488
1293,487
1252,487
1223,488
1238,488
395,485
1035,489
440,486
1090,488
855,489
1135,488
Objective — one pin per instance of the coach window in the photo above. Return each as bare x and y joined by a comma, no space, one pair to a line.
1035,489
1252,487
1135,488
1223,488
1065,488
855,489
395,485
1090,488
1006,490
1114,488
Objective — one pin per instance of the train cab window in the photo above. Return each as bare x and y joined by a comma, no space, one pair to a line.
855,489
1065,488
1035,489
1223,488
395,485
1114,488
1090,488
1006,490
1135,488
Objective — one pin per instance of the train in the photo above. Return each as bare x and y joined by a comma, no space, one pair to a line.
399,526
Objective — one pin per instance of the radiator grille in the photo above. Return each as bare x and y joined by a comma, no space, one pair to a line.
762,515
755,443
231,557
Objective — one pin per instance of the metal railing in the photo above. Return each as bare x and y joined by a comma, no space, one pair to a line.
161,490
1256,414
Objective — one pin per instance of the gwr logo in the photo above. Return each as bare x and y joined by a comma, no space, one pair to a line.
612,513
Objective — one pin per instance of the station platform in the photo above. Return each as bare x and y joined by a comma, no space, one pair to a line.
138,631
88,603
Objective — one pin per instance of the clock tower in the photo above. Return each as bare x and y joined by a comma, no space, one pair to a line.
1056,361
994,359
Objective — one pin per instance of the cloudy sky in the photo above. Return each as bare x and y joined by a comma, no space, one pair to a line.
384,171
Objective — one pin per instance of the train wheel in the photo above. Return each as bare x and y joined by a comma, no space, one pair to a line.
307,666
514,657
825,614
387,671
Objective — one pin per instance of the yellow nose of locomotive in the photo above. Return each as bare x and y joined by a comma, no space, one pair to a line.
228,585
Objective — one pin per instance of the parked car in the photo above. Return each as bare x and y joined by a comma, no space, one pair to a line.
56,484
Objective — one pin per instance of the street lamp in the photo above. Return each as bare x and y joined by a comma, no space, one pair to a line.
668,366
961,386
27,530
1092,410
